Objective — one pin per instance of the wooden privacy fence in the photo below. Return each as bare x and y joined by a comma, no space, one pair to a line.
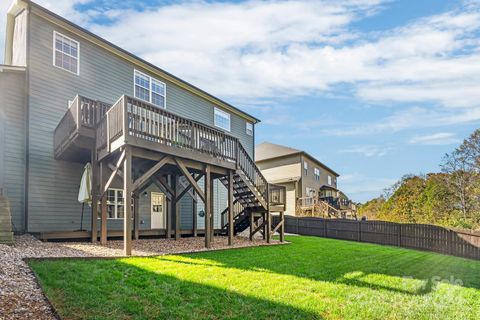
460,243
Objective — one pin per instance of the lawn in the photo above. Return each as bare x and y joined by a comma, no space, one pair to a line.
311,278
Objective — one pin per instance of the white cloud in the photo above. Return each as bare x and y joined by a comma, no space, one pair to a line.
411,118
258,51
440,138
368,151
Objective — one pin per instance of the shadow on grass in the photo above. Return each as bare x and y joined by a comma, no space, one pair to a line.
115,289
355,264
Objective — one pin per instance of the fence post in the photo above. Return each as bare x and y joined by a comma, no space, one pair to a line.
359,231
399,234
325,228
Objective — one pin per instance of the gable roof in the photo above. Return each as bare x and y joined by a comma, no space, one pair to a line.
267,150
55,18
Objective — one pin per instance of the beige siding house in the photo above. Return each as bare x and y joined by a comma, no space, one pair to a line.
301,174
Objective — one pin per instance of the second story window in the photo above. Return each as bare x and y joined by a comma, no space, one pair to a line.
66,53
149,89
305,167
222,119
317,174
329,180
249,128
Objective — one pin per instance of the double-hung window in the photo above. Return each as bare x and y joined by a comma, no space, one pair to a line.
149,89
115,204
316,172
66,53
329,180
222,119
249,128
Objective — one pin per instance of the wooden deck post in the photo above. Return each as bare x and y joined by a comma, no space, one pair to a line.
251,225
208,205
136,216
170,210
282,228
230,207
194,214
269,227
127,194
103,232
212,213
95,194
177,206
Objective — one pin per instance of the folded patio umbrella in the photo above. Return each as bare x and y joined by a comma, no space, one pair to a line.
85,191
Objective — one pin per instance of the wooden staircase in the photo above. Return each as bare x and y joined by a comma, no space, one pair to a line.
6,234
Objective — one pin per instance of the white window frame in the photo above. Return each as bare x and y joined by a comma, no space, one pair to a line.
305,168
329,180
316,172
150,100
55,33
248,130
225,114
115,203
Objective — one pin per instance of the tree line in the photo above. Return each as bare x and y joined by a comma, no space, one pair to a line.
450,198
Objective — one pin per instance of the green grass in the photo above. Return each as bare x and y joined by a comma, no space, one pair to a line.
312,278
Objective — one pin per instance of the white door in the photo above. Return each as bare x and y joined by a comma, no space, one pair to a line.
158,210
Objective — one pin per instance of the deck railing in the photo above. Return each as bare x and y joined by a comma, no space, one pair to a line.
253,173
82,113
277,194
143,120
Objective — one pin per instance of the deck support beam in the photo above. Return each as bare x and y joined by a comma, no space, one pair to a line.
127,194
120,161
136,216
208,205
171,205
103,205
147,175
95,193
231,204
194,214
177,206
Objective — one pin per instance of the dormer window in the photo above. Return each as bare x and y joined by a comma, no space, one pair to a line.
66,53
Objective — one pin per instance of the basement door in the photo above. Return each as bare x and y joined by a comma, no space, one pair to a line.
157,210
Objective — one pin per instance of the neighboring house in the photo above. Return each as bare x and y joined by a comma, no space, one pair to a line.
305,178
68,97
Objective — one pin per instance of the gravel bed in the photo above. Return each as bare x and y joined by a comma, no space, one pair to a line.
22,298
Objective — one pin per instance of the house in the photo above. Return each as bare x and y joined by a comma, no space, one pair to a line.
167,158
309,183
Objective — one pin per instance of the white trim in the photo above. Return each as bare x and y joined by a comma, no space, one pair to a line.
225,114
135,71
54,48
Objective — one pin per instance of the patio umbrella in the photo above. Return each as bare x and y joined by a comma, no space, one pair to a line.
85,191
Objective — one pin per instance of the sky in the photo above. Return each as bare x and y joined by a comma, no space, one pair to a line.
375,89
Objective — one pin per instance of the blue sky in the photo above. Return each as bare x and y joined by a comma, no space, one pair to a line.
375,89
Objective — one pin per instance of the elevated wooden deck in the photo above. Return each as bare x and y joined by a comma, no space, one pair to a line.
143,143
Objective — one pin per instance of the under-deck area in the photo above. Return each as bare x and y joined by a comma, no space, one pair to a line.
136,144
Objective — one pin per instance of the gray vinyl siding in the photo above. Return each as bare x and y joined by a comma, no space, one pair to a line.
54,184
12,134
308,180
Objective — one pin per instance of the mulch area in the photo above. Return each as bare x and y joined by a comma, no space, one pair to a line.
22,298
